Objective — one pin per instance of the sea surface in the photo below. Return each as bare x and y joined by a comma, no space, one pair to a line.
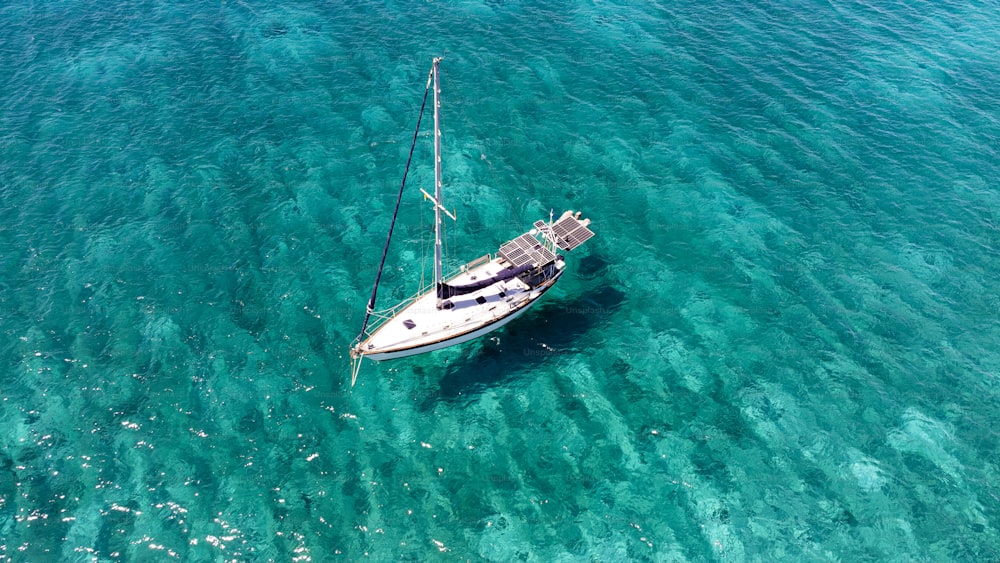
782,345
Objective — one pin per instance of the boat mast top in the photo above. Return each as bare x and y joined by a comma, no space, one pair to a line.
438,275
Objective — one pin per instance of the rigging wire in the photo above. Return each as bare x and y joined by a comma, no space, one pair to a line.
385,250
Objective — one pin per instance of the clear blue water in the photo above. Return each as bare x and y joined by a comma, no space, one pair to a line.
781,345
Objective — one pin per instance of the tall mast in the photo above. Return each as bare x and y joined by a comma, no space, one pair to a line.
438,277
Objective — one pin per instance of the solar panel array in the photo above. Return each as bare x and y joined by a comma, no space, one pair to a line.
568,231
526,249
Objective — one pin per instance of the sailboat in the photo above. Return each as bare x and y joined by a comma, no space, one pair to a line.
481,296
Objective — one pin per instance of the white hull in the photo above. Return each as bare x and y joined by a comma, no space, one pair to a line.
471,316
460,339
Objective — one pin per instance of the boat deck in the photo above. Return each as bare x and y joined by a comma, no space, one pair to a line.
422,327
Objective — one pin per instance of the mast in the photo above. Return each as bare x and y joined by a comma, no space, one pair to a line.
438,277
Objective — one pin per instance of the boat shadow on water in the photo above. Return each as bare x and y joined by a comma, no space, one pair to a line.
544,335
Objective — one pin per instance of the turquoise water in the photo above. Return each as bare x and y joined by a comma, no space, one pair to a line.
781,345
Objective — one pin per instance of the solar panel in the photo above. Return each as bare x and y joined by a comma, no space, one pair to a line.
526,249
568,232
